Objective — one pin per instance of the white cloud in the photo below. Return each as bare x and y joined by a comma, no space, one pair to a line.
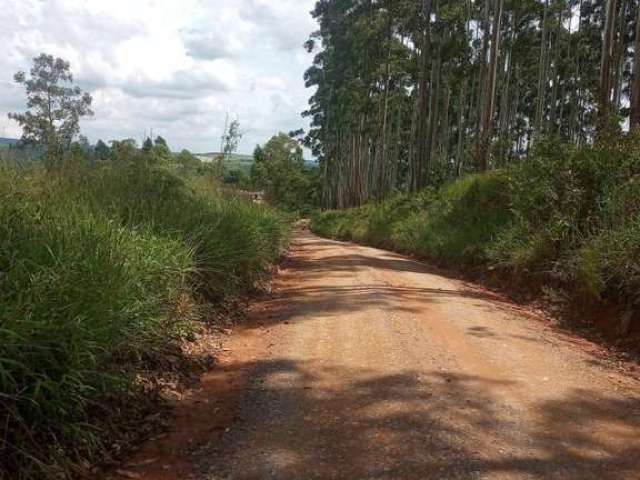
176,67
265,14
181,84
210,45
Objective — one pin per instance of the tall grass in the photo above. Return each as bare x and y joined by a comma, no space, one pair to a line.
95,265
566,218
450,226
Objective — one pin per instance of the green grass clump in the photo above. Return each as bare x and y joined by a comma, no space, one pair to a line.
458,222
607,264
566,218
95,265
451,226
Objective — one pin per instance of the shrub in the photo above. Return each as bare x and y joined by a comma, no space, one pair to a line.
449,226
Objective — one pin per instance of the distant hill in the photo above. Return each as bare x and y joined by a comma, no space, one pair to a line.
239,161
6,142
235,162
235,157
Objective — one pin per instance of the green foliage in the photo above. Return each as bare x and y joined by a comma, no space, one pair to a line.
95,267
55,106
161,142
279,170
147,145
188,163
460,221
567,217
450,226
563,197
238,177
405,90
606,266
101,151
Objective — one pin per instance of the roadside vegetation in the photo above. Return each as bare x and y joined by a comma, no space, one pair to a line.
478,135
280,172
111,257
407,92
566,222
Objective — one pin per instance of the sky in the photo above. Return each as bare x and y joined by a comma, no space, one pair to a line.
174,66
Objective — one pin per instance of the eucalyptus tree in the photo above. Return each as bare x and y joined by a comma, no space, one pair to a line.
635,87
422,149
606,64
229,140
490,89
55,107
408,91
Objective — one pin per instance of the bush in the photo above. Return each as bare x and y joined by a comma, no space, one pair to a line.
607,265
451,226
95,265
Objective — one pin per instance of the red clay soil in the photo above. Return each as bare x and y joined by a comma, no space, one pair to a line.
364,364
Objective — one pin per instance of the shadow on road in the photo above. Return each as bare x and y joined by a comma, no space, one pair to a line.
316,416
322,299
296,423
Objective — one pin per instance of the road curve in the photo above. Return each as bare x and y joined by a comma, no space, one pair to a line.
372,366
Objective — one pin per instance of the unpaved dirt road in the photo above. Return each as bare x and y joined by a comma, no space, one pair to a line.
364,364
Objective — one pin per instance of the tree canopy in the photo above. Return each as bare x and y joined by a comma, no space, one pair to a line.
279,170
54,104
407,90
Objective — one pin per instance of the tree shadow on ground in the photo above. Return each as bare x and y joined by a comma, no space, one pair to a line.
331,286
336,423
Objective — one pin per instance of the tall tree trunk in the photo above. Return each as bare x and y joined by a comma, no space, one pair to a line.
619,57
605,65
576,102
434,112
486,130
542,79
464,119
553,112
513,112
563,93
486,29
505,96
461,129
635,82
381,150
444,126
420,152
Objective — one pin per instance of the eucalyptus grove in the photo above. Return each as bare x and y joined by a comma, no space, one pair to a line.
409,92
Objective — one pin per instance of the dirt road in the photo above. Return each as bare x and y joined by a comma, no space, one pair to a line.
366,365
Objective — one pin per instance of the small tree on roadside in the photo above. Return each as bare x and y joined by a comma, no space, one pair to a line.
231,139
280,171
55,107
229,143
